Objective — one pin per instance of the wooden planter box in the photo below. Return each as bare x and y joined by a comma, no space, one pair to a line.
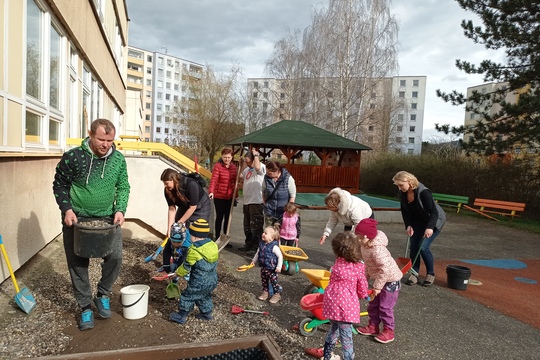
250,348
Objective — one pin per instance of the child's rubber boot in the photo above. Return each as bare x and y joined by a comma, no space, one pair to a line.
179,317
204,316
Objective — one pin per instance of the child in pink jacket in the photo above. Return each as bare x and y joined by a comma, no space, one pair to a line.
341,303
386,275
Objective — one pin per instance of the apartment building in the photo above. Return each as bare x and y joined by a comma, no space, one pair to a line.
385,114
164,85
62,65
139,93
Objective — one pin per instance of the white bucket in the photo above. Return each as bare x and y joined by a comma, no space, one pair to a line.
135,301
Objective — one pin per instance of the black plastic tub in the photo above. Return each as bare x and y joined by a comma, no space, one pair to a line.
93,237
458,277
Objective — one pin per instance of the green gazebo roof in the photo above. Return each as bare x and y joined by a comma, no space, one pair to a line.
299,134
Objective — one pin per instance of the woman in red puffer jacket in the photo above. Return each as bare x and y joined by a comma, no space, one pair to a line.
221,190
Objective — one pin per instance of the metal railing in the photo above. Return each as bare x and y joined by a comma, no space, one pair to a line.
151,148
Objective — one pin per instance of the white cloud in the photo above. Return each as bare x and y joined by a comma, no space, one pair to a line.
242,32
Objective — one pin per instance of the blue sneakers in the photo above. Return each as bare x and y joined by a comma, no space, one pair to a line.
87,320
103,306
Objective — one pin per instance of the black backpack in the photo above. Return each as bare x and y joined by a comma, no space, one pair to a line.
197,177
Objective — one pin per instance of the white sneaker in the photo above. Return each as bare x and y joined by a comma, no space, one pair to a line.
334,357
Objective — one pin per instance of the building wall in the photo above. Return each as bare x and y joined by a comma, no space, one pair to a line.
85,48
80,47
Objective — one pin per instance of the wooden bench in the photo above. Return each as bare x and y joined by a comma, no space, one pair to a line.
451,200
496,207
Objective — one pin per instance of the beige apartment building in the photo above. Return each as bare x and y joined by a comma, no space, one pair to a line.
62,65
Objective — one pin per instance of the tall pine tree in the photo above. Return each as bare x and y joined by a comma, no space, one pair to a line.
514,27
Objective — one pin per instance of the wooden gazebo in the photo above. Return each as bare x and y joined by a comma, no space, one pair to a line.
339,157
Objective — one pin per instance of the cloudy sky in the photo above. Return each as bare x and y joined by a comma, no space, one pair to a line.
243,32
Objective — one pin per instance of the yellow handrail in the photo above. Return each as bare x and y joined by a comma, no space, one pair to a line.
165,149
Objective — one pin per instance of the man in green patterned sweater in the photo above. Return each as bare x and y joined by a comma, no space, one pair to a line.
91,181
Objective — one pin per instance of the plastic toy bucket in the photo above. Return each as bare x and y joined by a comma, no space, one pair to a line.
458,277
135,301
93,242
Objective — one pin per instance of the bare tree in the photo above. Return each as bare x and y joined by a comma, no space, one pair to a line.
213,111
338,69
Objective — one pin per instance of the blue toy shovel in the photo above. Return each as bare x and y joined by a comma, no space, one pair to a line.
158,251
23,298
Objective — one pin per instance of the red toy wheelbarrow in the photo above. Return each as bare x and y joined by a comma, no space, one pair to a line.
313,303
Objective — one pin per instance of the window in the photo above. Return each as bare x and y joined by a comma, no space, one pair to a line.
147,129
413,117
158,118
159,107
282,95
169,62
283,85
33,127
167,107
168,74
265,95
149,70
54,66
411,140
255,84
167,96
414,94
148,94
402,94
370,128
176,76
472,116
412,128
266,84
160,95
372,106
415,83
399,128
282,106
158,130
149,82
160,84
402,83
255,105
399,140
166,130
160,60
400,117
265,105
160,72
373,94
168,85
149,58
255,95
414,106
34,50
176,87
147,118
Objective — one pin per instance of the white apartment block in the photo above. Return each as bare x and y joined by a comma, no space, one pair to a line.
470,117
163,82
389,111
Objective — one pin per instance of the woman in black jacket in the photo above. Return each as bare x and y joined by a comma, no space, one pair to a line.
423,219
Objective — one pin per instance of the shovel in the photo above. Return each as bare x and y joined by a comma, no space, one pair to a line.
158,251
245,267
23,298
224,239
405,263
238,310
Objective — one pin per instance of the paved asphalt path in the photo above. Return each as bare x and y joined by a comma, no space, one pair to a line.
434,322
